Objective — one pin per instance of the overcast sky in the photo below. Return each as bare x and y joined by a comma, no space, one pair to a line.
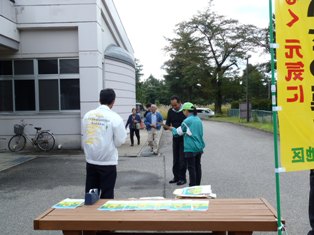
148,22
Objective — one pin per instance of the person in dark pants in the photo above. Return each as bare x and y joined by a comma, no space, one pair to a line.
101,177
193,161
192,131
134,122
103,131
174,118
311,203
148,105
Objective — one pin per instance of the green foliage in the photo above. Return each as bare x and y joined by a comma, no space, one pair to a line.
138,75
262,104
186,70
206,51
257,125
235,104
154,91
203,64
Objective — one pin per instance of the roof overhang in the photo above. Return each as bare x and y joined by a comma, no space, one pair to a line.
116,53
7,43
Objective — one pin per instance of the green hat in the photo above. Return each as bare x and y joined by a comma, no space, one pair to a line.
187,106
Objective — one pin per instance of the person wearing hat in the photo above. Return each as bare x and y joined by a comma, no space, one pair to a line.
192,131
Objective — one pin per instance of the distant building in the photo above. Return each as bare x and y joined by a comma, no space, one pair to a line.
55,57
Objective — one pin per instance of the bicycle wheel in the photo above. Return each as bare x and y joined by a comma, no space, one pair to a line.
17,143
45,141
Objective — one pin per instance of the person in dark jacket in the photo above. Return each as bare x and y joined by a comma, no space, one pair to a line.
148,105
192,131
174,118
134,122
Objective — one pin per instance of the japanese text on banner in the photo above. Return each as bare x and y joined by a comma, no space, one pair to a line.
295,82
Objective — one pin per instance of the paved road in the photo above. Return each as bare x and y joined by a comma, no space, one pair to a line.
238,163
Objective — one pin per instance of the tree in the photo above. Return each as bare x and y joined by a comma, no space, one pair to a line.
258,87
138,84
186,69
226,42
154,91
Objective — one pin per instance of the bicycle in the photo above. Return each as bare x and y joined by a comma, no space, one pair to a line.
43,139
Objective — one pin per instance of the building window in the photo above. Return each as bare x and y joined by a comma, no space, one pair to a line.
70,94
48,94
48,66
5,67
39,85
6,102
23,67
69,66
24,91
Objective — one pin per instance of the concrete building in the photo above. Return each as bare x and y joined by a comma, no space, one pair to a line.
55,57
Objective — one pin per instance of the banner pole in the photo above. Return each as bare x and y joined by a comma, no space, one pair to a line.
274,113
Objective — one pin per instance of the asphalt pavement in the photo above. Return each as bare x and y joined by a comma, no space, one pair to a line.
9,159
237,162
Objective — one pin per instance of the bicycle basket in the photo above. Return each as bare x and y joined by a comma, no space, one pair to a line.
18,129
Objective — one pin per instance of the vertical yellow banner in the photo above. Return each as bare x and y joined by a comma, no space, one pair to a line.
295,82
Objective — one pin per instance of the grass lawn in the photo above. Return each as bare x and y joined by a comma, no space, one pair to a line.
258,125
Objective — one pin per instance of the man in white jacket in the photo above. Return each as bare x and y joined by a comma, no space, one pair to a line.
103,131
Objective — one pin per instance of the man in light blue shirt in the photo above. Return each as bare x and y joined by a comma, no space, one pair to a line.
153,122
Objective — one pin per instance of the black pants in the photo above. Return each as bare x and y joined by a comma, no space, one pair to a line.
137,133
193,161
101,177
179,165
311,203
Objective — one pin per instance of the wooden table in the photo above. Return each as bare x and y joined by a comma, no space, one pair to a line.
237,216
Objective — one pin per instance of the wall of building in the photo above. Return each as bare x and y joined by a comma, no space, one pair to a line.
121,78
80,29
9,35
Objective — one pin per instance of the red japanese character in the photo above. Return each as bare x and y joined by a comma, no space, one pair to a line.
295,70
292,48
297,96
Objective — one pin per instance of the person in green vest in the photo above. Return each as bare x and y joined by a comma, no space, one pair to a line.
192,131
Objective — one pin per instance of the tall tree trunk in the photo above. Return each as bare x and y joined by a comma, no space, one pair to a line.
218,103
216,82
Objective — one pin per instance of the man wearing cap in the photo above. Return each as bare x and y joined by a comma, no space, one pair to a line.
192,131
175,118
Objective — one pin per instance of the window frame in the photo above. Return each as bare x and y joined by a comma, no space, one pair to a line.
37,77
